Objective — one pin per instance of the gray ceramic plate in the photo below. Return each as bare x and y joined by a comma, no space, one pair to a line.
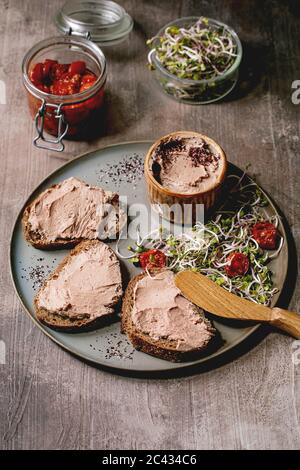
119,168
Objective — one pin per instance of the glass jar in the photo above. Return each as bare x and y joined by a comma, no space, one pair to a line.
196,91
106,21
65,115
85,25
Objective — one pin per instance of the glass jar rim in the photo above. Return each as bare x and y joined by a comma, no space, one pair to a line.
66,13
64,99
105,21
190,81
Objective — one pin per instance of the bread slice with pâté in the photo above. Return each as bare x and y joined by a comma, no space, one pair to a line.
159,321
83,291
72,211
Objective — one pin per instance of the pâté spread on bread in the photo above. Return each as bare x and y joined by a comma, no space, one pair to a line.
86,285
160,311
72,211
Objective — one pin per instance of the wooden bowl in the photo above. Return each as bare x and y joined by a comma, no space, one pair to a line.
181,207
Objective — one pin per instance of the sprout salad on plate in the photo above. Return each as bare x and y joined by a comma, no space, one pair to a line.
233,248
198,55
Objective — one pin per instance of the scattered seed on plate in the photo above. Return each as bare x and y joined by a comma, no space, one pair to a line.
122,349
37,274
129,170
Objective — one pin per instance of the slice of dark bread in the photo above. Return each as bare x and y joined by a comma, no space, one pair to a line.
38,240
59,321
161,348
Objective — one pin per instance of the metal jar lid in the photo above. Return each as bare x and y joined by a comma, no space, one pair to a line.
103,21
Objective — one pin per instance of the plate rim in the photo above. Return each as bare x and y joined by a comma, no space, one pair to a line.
184,367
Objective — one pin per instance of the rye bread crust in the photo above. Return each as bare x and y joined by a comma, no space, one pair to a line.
37,240
163,349
61,323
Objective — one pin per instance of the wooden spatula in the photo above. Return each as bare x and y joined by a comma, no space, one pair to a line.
214,299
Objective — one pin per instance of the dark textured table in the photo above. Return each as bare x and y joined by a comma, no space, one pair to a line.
48,399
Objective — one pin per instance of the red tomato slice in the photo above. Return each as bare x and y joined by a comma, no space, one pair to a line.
47,67
88,78
238,264
265,234
36,74
77,67
58,71
152,259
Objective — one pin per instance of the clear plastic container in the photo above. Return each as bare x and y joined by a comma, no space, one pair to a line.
196,91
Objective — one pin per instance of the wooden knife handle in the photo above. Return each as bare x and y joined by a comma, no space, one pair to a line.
286,321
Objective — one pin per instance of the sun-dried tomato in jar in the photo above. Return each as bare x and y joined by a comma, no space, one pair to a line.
64,78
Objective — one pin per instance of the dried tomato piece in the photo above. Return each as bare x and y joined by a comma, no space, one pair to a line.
77,67
88,78
266,234
152,259
47,69
58,71
238,264
36,74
